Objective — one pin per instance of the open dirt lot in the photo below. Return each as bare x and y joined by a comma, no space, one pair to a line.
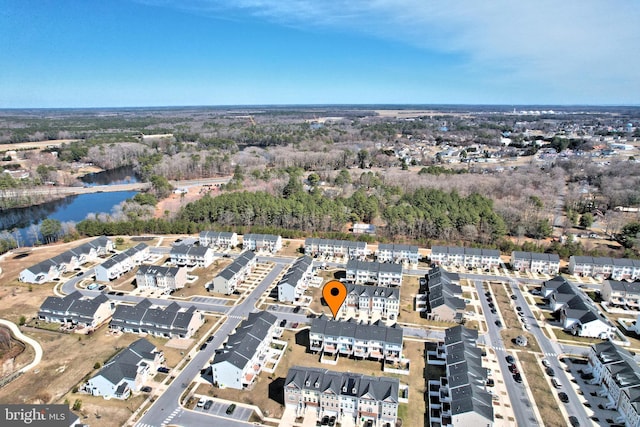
267,391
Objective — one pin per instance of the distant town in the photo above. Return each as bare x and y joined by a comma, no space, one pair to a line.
165,267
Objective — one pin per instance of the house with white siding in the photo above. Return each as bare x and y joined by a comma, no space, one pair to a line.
535,262
604,267
165,279
191,255
351,398
371,302
621,294
465,257
127,371
218,239
77,309
296,280
243,356
314,248
232,275
381,274
397,253
172,321
262,242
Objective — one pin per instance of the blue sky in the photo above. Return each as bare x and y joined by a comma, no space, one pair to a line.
79,53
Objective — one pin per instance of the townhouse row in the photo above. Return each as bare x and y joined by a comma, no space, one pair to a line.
605,268
121,263
439,298
465,257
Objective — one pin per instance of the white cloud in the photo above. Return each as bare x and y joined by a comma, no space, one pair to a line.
572,46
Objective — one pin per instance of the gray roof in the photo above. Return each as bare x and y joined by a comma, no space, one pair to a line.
171,320
242,345
73,306
343,383
125,364
462,250
261,237
192,250
237,265
156,270
622,262
374,266
622,286
519,255
442,291
360,331
373,291
216,235
296,272
397,247
312,241
65,257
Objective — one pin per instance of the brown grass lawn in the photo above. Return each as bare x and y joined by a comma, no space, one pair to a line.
96,411
542,394
291,247
267,391
562,335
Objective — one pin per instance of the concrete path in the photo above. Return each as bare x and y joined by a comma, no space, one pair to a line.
33,343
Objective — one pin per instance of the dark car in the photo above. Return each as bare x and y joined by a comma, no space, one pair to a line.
563,397
574,421
226,256
210,338
230,409
283,322
102,287
111,293
513,297
203,346
494,311
146,389
297,308
119,294
518,308
510,359
498,324
332,421
491,305
517,378
550,372
208,405
490,383
163,369
513,369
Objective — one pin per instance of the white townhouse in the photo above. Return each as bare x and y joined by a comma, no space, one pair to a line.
381,274
296,280
616,370
77,309
397,253
335,248
459,398
241,359
191,255
218,239
535,262
465,257
605,268
352,339
162,278
369,302
228,279
621,294
173,321
122,263
262,242
351,398
51,269
127,371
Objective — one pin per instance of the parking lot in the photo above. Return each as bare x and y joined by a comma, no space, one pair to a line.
219,408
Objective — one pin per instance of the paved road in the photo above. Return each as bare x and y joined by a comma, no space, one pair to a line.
168,402
552,349
518,396
22,337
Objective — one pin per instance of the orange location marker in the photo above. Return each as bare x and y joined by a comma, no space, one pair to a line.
334,293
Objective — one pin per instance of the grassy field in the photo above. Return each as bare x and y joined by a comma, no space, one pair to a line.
267,391
544,400
562,335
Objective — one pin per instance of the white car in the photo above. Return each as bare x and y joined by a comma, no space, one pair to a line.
546,363
201,402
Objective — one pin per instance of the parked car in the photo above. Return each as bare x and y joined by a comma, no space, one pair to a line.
119,294
518,308
146,389
574,421
295,325
203,346
514,297
201,402
517,378
563,397
102,287
546,363
163,369
230,409
550,372
283,322
211,337
208,404
498,323
296,309
510,359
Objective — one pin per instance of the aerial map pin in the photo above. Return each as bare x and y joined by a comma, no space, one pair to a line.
334,293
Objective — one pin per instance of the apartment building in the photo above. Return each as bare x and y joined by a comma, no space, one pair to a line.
381,274
191,255
397,253
165,279
122,263
335,248
352,339
465,257
605,268
241,360
127,371
616,370
621,294
173,321
371,302
52,268
441,297
354,399
296,280
460,397
578,315
262,242
218,239
76,309
535,262
228,279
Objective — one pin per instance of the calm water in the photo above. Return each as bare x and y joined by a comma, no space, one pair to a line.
72,208
122,175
